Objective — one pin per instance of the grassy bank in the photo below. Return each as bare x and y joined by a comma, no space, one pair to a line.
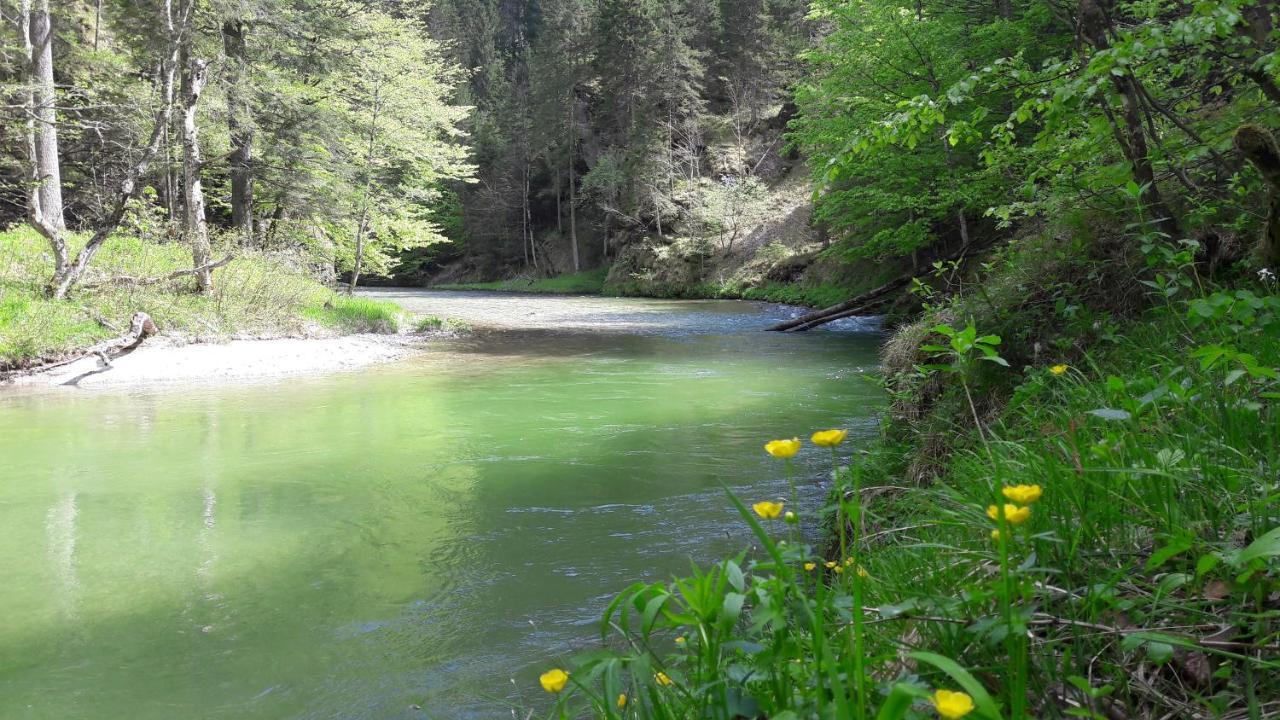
1077,519
258,294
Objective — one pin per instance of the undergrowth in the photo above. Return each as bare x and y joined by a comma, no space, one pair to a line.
587,282
1102,545
257,294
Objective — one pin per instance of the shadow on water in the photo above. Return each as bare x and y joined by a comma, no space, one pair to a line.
421,534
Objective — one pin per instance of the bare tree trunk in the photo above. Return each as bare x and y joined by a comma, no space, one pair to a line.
526,218
66,274
194,225
573,197
361,229
363,226
241,131
46,116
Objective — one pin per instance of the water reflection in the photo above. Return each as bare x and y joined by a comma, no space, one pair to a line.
415,535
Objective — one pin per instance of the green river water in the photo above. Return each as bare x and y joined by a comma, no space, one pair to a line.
417,540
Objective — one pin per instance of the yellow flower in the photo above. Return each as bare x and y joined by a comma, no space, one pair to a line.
783,449
810,566
862,572
952,705
830,564
662,678
681,640
1023,494
622,700
829,438
995,535
1013,514
838,569
768,510
1059,370
553,681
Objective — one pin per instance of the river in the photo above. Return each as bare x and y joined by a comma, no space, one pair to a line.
417,540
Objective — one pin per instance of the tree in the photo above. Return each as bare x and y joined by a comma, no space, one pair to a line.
394,96
68,271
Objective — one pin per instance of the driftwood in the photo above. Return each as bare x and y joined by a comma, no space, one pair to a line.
845,309
130,281
140,328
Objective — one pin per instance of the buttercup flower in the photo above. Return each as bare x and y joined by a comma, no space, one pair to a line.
662,678
1013,514
622,700
810,566
553,681
1059,370
783,449
952,705
995,535
838,569
862,572
681,640
1023,494
829,438
830,564
768,510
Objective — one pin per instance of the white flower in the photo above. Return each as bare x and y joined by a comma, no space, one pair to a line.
1265,275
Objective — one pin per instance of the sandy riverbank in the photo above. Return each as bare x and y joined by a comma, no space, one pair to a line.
162,361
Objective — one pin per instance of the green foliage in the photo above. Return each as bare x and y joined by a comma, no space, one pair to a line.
259,293
358,315
1156,535
590,282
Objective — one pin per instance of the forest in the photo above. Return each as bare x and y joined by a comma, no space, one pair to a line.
421,322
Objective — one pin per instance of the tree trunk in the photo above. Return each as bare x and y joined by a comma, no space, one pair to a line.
573,197
67,272
1259,147
363,226
46,116
1095,26
356,267
194,225
239,126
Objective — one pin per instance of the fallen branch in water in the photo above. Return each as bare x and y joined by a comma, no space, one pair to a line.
131,281
140,328
845,309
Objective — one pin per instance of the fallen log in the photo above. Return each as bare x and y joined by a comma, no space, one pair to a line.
140,328
845,309
131,281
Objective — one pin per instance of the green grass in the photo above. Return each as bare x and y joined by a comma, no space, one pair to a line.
1157,535
587,282
358,315
258,294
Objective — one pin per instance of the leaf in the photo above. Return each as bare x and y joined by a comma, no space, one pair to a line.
733,607
1111,414
1207,563
986,707
1266,546
1176,547
900,699
735,575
